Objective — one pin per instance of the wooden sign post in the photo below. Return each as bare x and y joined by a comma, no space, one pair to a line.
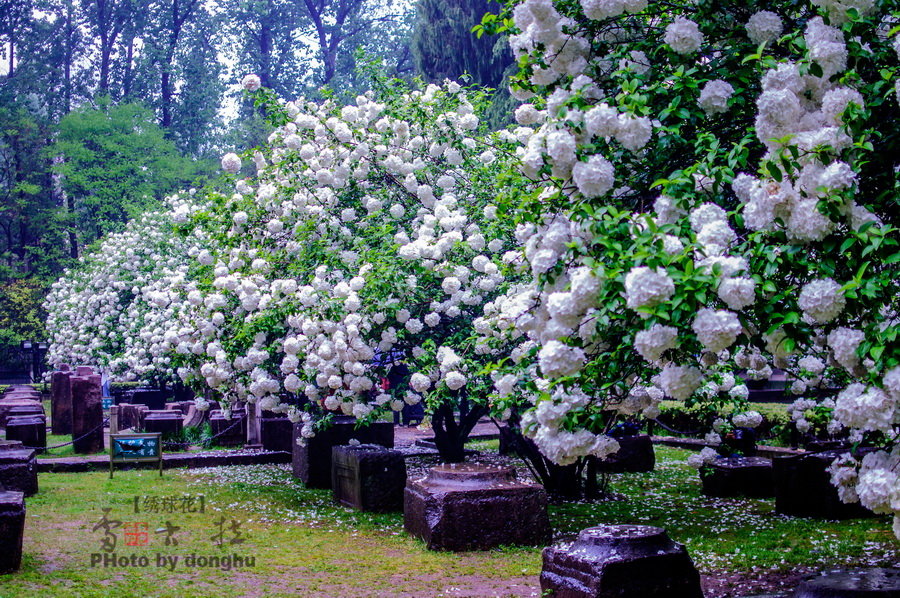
135,448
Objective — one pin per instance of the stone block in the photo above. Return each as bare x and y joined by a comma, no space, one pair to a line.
61,402
8,405
803,488
228,432
738,476
84,370
635,455
132,416
368,477
18,468
87,414
855,583
276,433
312,460
30,430
464,506
620,561
167,423
154,399
12,530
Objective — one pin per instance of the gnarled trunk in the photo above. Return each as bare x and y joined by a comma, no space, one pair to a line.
450,435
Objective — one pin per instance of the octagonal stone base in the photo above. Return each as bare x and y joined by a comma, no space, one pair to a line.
620,561
475,507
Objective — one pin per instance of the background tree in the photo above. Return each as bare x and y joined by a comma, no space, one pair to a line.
444,47
116,163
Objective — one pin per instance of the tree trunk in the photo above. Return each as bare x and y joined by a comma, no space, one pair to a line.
562,482
449,435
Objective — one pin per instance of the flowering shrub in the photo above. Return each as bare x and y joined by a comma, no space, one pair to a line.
719,197
368,240
116,308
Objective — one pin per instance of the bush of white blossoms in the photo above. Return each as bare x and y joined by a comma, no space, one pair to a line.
368,236
115,309
720,196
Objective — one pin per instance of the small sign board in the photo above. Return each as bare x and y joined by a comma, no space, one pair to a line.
107,402
135,448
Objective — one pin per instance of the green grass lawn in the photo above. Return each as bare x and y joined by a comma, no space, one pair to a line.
304,545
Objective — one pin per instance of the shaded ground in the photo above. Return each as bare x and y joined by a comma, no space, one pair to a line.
304,545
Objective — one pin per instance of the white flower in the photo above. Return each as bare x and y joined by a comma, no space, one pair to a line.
454,380
251,82
716,329
595,177
821,300
764,26
647,288
738,292
715,95
679,381
420,382
747,419
683,36
231,163
653,342
557,359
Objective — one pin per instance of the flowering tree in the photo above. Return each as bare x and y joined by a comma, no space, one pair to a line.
720,197
368,238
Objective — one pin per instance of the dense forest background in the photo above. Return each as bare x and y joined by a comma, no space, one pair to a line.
106,106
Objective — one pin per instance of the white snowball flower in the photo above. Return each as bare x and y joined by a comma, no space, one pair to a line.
680,381
821,300
647,288
714,96
251,82
764,26
716,329
595,177
683,36
231,163
557,359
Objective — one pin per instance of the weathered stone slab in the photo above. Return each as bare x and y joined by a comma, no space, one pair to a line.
635,455
12,530
312,458
858,583
803,488
368,477
18,468
738,476
87,414
84,370
165,422
61,402
196,417
30,430
229,432
7,405
132,416
154,399
463,506
276,433
620,561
